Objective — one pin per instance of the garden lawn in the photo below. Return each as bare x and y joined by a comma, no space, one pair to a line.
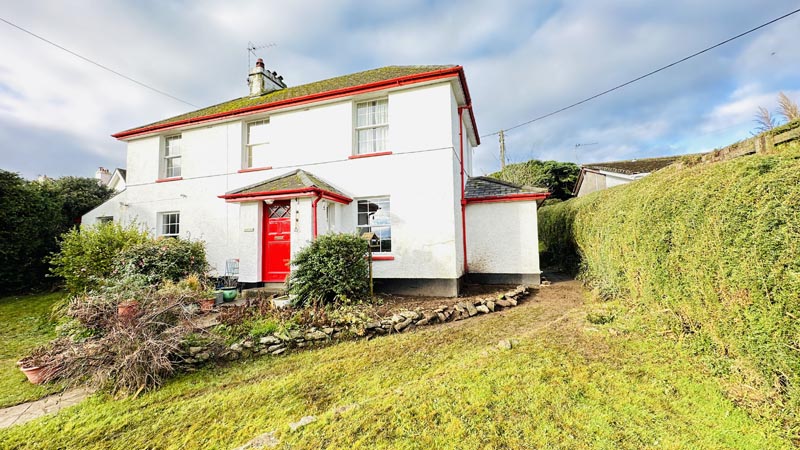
566,384
25,323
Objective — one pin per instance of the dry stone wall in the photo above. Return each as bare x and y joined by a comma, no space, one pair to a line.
403,321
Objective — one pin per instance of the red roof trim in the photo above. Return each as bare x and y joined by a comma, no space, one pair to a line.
510,198
288,192
352,90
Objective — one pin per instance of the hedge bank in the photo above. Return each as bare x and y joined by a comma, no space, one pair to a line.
717,246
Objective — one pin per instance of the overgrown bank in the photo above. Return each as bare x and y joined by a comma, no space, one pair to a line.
718,245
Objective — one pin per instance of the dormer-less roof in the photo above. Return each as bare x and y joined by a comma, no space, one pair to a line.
356,83
634,166
298,183
484,189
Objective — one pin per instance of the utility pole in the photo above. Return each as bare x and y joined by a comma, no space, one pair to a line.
502,150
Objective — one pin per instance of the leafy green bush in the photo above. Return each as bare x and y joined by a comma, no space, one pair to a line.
34,214
558,177
330,269
88,254
162,259
717,245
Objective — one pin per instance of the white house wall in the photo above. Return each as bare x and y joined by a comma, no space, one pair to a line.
502,242
421,178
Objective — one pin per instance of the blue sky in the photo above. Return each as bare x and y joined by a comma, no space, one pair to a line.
522,59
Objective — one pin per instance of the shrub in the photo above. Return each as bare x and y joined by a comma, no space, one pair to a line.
88,254
717,245
162,259
330,269
34,214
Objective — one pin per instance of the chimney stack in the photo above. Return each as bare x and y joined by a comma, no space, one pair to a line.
262,81
103,176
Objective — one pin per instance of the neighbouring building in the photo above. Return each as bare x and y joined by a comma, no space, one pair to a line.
387,151
115,181
599,176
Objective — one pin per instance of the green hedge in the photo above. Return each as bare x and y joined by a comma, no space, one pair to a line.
716,244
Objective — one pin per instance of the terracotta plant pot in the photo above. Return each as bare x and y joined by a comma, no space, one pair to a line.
207,304
127,310
34,374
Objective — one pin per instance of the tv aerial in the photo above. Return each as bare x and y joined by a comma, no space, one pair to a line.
251,50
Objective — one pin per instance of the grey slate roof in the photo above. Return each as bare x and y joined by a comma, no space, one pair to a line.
298,179
634,166
492,187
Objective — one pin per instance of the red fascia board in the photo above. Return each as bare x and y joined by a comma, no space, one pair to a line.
167,180
509,198
364,88
369,155
287,193
463,79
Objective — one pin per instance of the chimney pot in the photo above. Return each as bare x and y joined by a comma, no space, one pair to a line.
260,63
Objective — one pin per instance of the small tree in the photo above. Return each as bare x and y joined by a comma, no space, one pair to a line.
331,268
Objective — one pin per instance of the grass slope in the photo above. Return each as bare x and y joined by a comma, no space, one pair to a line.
568,384
718,245
24,324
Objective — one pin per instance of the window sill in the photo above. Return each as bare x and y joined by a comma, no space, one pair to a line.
167,180
369,155
382,258
254,169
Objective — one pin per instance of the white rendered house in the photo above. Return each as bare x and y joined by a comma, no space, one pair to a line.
386,150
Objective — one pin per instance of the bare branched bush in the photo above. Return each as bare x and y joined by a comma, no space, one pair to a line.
789,108
124,353
764,120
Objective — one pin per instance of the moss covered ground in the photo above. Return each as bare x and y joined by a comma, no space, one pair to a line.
567,383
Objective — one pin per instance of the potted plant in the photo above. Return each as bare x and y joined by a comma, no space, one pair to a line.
229,293
208,300
34,368
127,309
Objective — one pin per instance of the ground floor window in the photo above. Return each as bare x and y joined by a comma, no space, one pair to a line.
374,216
105,219
169,223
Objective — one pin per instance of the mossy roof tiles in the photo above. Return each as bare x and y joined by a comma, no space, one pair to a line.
294,92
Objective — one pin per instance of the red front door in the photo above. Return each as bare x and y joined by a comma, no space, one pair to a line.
277,242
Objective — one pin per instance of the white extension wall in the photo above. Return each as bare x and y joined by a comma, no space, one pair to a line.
503,241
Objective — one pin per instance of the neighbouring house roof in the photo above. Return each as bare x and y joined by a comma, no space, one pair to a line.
292,184
492,188
634,166
375,79
122,173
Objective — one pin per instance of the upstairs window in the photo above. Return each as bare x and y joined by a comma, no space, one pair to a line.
256,146
372,126
374,216
169,224
172,156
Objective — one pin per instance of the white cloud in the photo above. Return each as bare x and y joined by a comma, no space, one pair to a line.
521,60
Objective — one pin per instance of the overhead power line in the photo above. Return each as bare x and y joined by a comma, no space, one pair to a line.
607,91
96,63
